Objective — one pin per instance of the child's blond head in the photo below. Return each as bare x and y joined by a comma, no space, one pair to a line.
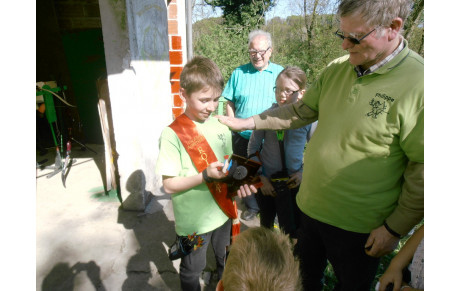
261,259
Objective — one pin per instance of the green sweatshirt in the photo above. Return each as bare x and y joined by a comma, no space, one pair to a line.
364,164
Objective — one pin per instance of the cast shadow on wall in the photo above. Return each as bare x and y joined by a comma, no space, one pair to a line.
154,233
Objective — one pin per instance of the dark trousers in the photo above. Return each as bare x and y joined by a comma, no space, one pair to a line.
283,205
319,242
240,147
192,265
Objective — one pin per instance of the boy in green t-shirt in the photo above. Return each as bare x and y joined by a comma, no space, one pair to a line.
188,172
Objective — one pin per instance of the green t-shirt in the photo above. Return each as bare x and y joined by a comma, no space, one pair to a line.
195,210
368,129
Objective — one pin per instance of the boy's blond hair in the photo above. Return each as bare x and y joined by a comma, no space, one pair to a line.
261,259
200,73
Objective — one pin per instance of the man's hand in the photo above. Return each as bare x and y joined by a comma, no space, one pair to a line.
267,187
380,242
246,190
237,124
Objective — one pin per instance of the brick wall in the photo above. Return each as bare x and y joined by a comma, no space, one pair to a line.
176,55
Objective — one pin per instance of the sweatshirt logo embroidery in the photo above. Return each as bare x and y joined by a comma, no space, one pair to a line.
222,138
379,105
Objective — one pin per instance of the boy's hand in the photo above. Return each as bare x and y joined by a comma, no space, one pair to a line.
246,190
214,170
237,124
267,188
294,180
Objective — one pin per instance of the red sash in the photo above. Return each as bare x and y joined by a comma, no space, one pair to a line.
202,155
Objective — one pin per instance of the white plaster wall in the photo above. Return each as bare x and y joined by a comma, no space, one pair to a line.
138,77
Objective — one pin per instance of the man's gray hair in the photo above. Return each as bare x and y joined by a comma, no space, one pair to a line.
255,33
375,12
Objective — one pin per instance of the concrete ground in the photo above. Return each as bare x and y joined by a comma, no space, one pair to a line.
85,241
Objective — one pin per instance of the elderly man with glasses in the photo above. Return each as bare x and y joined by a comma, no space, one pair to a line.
248,92
363,180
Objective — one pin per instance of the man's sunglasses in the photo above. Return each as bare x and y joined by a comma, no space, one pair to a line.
352,39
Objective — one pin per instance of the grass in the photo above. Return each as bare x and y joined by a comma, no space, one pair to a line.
100,194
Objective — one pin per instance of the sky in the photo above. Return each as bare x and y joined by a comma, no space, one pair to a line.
282,10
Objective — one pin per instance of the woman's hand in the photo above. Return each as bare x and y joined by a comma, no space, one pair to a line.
294,180
267,188
392,275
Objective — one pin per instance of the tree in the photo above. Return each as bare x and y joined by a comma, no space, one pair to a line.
292,43
414,19
201,10
310,25
414,27
311,10
225,47
243,14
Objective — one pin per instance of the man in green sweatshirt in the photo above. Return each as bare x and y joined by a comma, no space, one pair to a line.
362,185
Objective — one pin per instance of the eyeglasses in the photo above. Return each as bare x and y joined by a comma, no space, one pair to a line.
253,53
352,39
285,92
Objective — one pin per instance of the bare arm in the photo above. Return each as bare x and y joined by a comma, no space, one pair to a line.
230,109
174,185
394,272
405,255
